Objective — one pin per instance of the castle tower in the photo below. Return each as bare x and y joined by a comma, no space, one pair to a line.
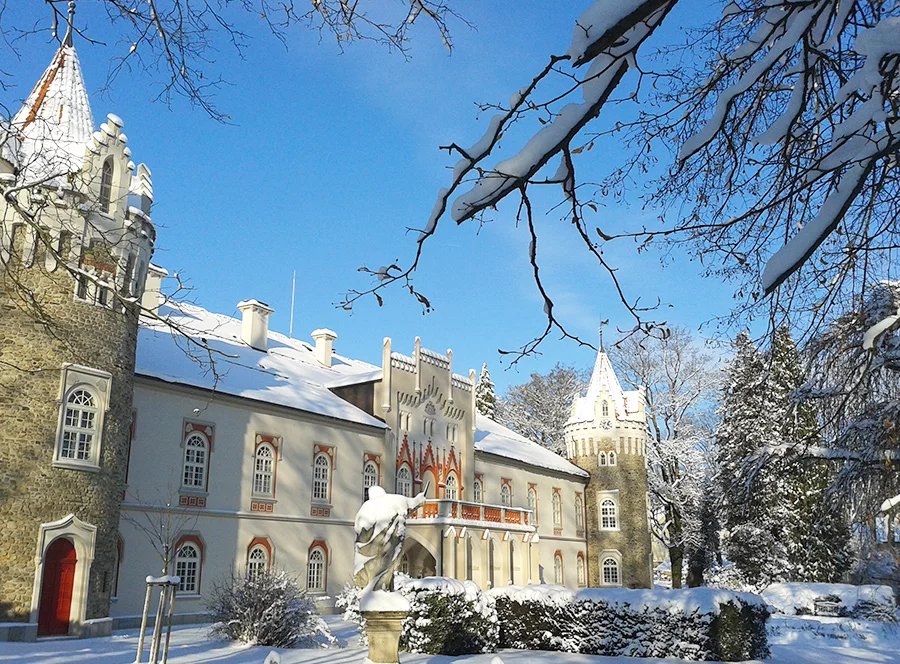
75,246
606,435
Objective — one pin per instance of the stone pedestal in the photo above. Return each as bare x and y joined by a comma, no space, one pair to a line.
383,629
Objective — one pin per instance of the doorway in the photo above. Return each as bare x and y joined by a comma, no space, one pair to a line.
56,588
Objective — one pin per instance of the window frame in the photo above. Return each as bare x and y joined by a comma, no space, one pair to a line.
505,494
404,467
314,549
559,569
580,571
257,546
605,567
194,543
97,384
557,509
477,490
204,466
369,464
271,473
532,499
320,482
579,513
107,174
609,521
451,493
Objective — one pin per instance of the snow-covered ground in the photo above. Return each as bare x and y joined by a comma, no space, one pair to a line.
794,640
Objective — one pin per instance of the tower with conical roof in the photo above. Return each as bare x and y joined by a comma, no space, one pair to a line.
606,435
75,244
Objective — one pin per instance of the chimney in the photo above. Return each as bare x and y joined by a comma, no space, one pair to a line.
324,339
153,297
255,323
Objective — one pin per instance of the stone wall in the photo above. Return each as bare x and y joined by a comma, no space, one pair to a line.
42,327
632,539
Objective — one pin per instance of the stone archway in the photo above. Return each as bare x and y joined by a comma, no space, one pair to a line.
421,562
70,568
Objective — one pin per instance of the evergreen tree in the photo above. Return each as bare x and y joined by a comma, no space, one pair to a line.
755,514
485,400
819,535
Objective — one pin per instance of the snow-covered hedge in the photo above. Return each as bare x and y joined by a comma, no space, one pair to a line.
842,599
447,617
267,610
692,624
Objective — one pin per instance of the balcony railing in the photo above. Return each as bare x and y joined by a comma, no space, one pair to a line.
474,512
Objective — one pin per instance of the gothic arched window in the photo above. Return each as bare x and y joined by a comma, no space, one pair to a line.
106,176
404,482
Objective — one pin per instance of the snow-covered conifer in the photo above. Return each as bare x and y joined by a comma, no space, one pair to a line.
485,399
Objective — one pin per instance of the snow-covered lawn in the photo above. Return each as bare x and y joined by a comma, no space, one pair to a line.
794,640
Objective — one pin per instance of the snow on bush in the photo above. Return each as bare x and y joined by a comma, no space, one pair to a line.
841,599
447,617
267,610
692,624
348,601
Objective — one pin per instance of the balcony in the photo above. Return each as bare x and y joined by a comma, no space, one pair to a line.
462,513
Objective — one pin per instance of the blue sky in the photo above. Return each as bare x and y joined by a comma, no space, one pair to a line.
333,155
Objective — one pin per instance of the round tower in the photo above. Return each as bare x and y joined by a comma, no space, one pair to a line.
75,246
606,435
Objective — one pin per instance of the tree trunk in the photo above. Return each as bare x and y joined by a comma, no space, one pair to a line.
676,558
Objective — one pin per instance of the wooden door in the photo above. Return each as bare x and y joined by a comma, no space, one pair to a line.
56,588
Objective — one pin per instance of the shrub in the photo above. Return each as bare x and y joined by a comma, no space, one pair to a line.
448,617
267,610
865,602
693,624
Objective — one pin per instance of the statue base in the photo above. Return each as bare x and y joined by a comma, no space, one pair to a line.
383,629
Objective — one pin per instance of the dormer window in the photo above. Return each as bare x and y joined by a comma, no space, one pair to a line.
106,175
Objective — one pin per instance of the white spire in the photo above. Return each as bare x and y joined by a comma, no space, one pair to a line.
603,379
55,123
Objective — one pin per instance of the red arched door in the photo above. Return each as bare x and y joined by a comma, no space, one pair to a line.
56,588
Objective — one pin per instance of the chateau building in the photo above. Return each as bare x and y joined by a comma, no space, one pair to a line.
138,434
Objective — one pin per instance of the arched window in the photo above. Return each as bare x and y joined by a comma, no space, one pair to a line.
605,409
264,470
79,429
532,504
187,568
612,458
558,577
579,571
321,478
610,571
505,495
476,491
512,561
608,516
370,478
602,458
404,565
315,570
579,513
106,176
557,510
404,482
257,561
451,488
196,454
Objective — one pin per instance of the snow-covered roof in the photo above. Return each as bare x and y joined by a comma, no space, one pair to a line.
604,379
288,374
494,438
55,124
